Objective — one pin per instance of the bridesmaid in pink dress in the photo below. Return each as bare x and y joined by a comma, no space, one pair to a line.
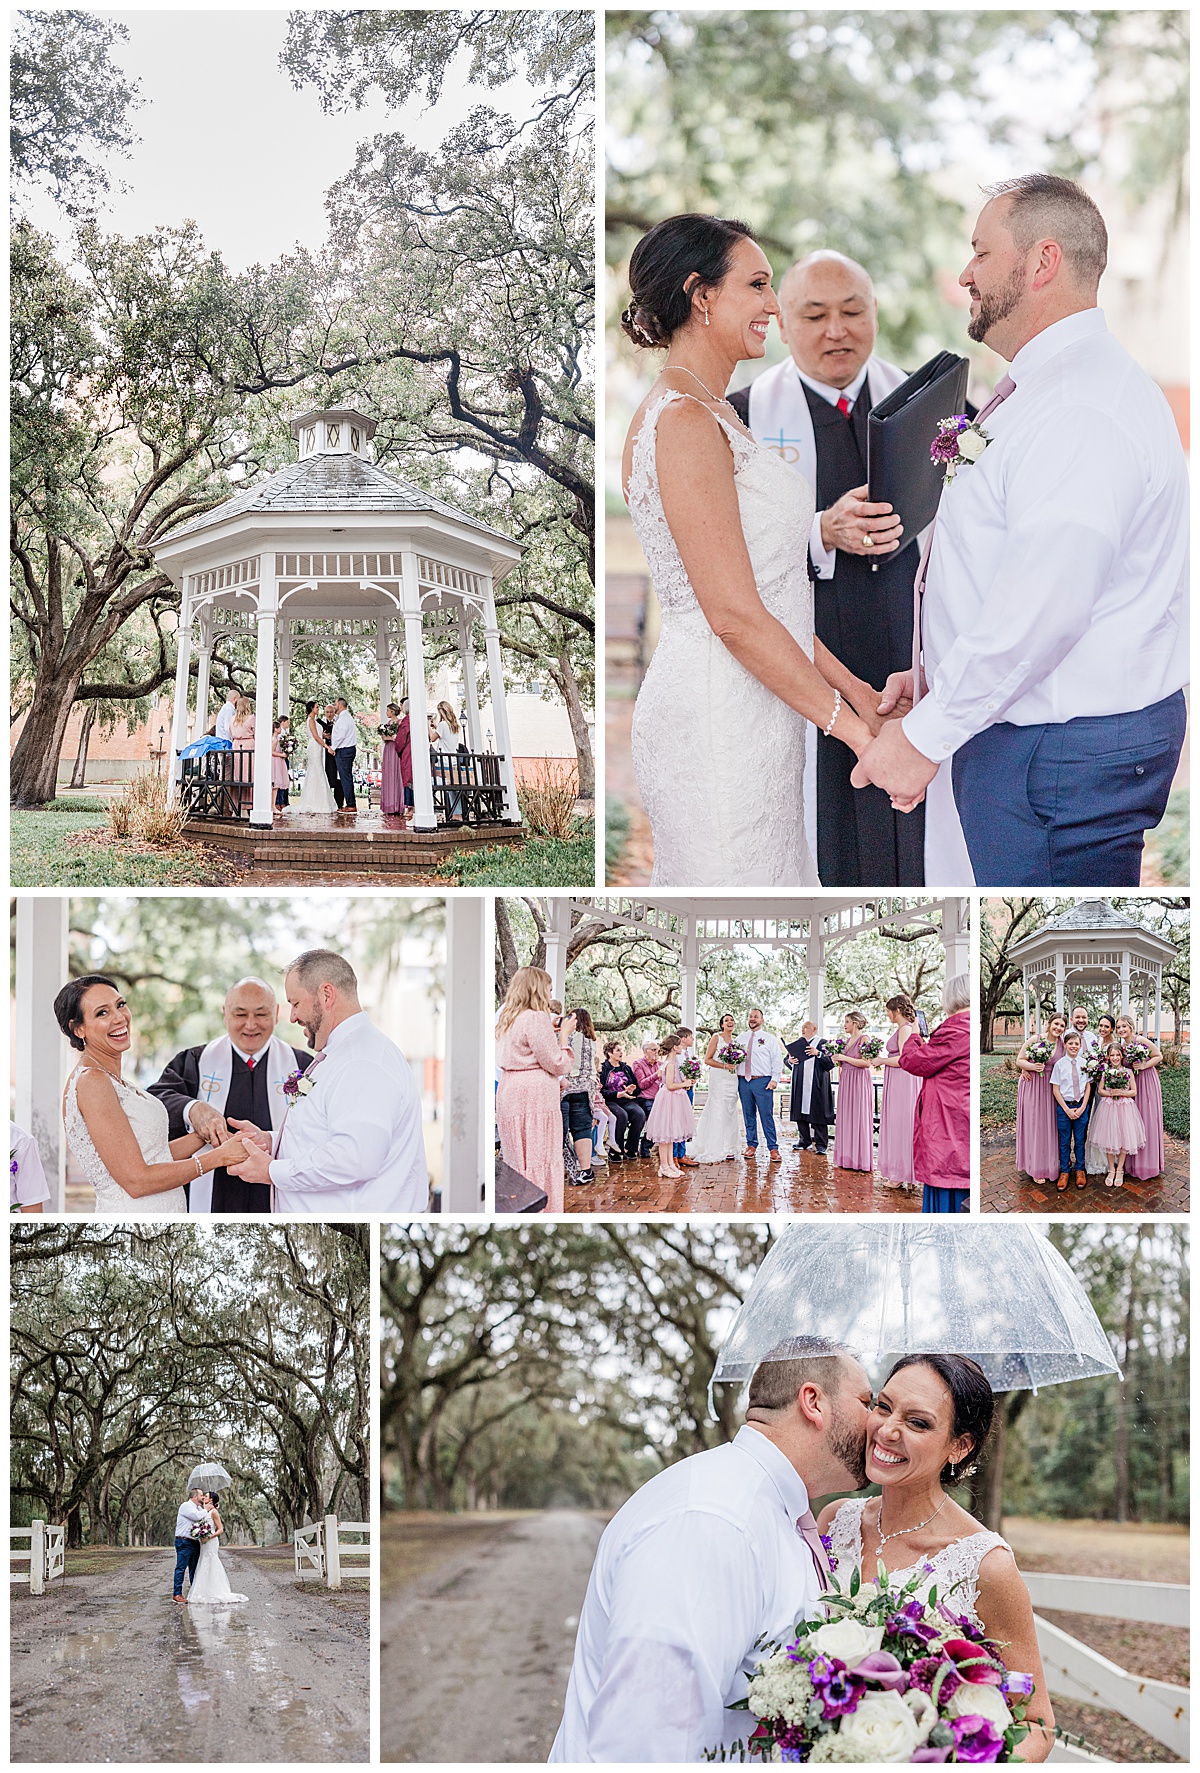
855,1113
1149,1160
671,1115
897,1111
1037,1129
532,1058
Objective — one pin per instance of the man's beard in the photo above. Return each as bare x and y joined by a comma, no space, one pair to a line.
996,307
312,1029
849,1447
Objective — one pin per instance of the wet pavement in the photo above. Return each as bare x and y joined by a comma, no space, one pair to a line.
801,1182
108,1668
1004,1189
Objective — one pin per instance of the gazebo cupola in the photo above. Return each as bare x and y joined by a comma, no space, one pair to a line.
334,547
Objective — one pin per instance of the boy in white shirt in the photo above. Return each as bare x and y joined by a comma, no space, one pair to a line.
1072,1100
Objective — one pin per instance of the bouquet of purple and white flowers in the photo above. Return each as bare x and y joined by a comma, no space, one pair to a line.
1136,1050
1093,1067
872,1046
890,1677
1039,1052
1115,1077
839,1043
203,1530
689,1070
959,442
732,1054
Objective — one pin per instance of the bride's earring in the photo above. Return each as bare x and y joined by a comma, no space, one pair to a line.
706,316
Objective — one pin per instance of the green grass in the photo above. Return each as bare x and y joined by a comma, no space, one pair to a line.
75,803
1170,842
42,856
998,1096
616,832
542,862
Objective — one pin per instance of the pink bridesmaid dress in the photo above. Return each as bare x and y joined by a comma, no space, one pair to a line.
1150,1159
854,1115
1037,1128
897,1113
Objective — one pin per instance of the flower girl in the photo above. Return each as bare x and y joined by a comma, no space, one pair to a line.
671,1117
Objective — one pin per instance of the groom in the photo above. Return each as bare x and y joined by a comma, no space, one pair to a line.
712,1556
187,1549
1053,625
760,1075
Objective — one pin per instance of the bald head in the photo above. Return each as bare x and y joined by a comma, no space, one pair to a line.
828,316
250,1013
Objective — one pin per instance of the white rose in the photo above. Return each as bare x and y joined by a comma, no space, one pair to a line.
882,1729
924,1711
848,1639
971,445
979,1701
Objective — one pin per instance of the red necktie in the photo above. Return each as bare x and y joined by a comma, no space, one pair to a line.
1004,388
843,406
250,1063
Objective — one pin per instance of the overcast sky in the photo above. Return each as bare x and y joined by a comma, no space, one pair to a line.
229,143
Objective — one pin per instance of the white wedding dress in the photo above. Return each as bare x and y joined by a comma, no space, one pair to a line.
316,796
720,1133
955,1569
210,1585
719,759
151,1128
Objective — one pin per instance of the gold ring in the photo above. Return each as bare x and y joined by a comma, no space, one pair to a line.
867,542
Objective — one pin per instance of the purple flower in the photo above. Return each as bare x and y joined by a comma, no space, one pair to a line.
924,1672
930,1754
1020,1684
882,1668
14,1167
835,1686
827,1541
792,1743
976,1739
910,1622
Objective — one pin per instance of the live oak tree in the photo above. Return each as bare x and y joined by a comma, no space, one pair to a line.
69,104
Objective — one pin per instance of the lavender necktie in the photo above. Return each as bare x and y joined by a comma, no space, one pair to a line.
806,1526
1004,388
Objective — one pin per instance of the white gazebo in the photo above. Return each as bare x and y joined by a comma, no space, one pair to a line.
1092,945
331,548
42,1058
819,926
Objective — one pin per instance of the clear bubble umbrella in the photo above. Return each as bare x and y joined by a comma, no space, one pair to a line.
209,1477
999,1293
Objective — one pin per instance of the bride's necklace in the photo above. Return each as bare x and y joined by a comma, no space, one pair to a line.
903,1532
97,1066
684,370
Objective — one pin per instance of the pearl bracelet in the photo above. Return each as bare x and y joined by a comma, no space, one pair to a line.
199,1166
837,709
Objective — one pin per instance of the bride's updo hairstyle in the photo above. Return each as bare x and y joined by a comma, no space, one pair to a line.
68,1005
971,1396
665,262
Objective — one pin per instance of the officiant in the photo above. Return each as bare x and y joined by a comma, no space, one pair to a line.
239,1075
812,409
811,1106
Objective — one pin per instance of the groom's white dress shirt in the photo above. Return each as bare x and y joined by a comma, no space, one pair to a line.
354,1143
190,1515
345,732
703,1561
1057,581
766,1054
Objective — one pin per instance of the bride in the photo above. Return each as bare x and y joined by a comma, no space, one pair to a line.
719,1133
724,524
117,1132
316,796
210,1583
931,1418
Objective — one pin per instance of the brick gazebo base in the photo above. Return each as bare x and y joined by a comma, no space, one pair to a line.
1003,1189
344,843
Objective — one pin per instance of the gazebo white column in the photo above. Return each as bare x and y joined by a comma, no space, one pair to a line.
183,661
1060,982
955,937
689,971
558,933
466,650
1025,998
266,610
40,1052
418,713
203,670
466,1021
383,663
815,958
1158,1006
508,774
1124,981
284,647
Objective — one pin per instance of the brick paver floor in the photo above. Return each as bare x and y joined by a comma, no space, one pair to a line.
801,1182
1003,1189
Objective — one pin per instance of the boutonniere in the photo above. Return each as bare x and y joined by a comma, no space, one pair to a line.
298,1084
959,442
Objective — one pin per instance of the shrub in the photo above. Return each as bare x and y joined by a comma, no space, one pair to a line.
548,803
1172,1055
616,832
142,813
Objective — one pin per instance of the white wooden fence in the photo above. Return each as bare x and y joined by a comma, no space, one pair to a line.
330,1547
1073,1671
46,1559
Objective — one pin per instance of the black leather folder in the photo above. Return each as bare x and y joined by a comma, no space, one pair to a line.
900,431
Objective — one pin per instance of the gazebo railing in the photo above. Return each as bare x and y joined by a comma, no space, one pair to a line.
217,785
467,786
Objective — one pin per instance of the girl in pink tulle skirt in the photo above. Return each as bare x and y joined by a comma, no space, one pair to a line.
671,1117
1116,1124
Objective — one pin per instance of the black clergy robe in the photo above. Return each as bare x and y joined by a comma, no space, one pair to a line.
865,618
248,1099
813,1127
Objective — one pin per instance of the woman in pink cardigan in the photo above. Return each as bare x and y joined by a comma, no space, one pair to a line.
942,1135
532,1058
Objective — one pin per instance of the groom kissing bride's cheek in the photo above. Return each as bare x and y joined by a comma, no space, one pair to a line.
718,1558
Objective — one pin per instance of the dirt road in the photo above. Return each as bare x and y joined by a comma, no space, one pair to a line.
107,1668
476,1651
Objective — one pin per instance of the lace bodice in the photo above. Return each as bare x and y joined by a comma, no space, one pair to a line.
955,1568
151,1127
777,509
